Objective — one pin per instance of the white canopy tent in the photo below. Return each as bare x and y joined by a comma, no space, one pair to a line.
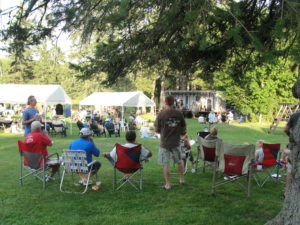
129,99
46,94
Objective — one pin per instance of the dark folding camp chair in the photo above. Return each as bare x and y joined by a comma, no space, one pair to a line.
271,165
110,127
74,162
35,164
206,152
59,128
233,163
128,163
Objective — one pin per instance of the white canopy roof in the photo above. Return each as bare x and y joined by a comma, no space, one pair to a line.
19,93
130,99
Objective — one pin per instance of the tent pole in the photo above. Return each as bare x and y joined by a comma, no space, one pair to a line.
123,122
71,121
45,110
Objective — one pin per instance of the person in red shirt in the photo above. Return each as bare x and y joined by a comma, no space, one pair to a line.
38,141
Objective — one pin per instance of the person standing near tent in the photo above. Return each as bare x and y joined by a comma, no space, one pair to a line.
170,124
30,114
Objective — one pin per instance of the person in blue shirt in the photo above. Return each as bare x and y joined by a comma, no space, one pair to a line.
86,143
30,114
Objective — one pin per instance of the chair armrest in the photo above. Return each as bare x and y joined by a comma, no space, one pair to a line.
53,154
92,163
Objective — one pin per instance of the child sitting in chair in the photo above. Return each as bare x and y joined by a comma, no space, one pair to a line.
259,153
130,138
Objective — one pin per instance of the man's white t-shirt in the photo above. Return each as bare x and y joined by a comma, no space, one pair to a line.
143,156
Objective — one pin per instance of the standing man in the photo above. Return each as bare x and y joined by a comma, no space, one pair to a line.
30,114
170,125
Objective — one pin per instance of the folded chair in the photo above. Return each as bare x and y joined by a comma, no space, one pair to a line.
270,166
128,163
35,164
74,162
233,163
206,152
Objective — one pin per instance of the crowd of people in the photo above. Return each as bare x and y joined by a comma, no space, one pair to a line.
170,126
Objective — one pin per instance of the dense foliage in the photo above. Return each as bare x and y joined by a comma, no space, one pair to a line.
244,48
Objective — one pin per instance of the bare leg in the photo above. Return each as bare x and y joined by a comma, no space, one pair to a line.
180,168
54,169
82,176
167,176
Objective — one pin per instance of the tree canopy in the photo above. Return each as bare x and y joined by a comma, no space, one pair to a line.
247,44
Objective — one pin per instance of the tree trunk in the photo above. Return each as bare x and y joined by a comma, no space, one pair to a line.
183,81
290,212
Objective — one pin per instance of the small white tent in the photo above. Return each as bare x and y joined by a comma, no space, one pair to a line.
19,93
130,99
46,94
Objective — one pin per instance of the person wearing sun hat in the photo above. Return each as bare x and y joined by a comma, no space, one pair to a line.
86,143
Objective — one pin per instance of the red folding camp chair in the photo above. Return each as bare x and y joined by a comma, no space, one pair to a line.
35,164
128,162
270,166
206,152
233,163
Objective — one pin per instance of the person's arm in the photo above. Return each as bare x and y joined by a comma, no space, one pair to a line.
145,153
26,120
95,150
287,129
157,125
187,143
183,124
46,140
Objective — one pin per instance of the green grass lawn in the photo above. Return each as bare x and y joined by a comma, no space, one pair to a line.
189,204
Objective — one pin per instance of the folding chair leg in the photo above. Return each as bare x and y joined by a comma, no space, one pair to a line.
62,180
213,190
87,183
197,160
204,163
21,172
44,177
249,182
115,180
141,179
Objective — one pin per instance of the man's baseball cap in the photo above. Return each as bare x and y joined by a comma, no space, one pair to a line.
86,132
169,100
35,125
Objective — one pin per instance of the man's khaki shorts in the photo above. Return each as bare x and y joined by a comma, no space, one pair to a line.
165,155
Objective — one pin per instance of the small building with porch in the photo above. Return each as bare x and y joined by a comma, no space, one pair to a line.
198,101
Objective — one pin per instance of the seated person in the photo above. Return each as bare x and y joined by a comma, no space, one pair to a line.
259,153
110,127
130,138
38,140
213,134
86,143
59,122
145,131
87,122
